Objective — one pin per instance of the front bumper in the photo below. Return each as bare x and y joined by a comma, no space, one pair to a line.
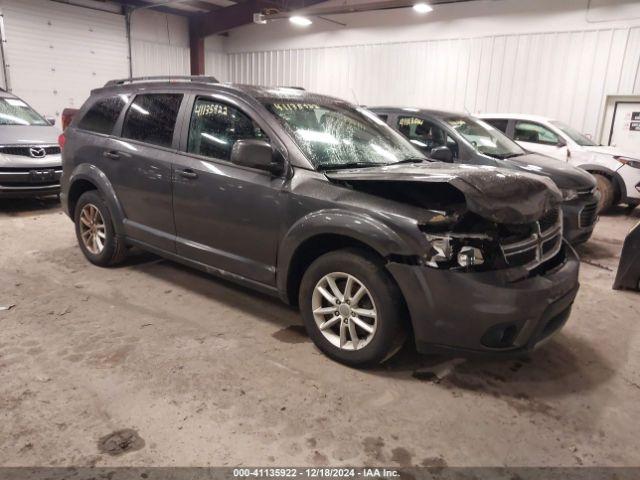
579,218
487,312
29,182
630,176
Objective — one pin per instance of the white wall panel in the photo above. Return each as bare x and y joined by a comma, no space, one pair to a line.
57,53
159,44
563,74
216,62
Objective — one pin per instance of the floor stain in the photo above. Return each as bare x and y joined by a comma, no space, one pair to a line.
292,334
434,462
120,442
373,447
401,456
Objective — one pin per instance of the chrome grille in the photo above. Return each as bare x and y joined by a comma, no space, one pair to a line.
586,192
23,150
543,243
588,215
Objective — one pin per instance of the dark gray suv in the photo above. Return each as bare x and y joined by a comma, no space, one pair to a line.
321,203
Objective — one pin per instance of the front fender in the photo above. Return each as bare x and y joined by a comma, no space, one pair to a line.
358,226
97,177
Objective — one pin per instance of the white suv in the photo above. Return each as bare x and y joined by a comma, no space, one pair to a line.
617,172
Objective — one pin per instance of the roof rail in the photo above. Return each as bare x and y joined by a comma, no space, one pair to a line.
169,78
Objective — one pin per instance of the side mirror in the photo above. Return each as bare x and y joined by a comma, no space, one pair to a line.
442,154
256,154
50,120
561,143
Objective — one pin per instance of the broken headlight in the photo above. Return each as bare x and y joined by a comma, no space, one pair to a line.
449,252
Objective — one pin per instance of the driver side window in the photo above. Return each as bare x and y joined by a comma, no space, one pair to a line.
426,135
215,126
534,133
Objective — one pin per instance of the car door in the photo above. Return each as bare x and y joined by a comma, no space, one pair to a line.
227,216
535,137
141,166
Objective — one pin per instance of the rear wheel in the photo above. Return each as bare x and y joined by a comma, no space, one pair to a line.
607,192
352,308
95,231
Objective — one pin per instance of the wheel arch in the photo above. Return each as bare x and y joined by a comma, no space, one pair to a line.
325,231
620,190
88,177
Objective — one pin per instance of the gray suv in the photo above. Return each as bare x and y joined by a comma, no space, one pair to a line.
30,161
319,202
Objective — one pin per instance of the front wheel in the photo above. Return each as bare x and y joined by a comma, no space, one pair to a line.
352,308
607,192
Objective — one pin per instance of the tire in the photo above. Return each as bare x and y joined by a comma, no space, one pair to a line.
112,248
381,296
607,192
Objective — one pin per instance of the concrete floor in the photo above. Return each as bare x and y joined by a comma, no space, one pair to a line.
197,371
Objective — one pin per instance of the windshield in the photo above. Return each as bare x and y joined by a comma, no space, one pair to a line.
341,136
484,138
576,136
14,111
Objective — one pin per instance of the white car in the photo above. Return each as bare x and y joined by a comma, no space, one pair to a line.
617,172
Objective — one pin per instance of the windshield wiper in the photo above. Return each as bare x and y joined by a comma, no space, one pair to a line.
411,160
504,156
339,166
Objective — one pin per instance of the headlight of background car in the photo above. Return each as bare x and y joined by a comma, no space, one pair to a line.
569,194
632,162
449,252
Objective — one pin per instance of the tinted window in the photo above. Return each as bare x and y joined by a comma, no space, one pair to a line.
102,116
534,133
216,126
425,135
498,123
383,116
151,118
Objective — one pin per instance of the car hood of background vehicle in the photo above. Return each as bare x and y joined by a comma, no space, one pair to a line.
563,174
28,134
613,151
497,194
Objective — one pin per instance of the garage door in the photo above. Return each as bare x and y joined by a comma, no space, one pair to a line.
56,53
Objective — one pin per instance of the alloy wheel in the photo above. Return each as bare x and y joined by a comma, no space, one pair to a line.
344,311
93,230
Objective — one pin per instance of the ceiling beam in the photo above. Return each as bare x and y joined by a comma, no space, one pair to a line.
237,15
354,8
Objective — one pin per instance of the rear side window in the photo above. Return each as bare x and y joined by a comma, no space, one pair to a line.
499,123
103,114
534,133
216,126
151,118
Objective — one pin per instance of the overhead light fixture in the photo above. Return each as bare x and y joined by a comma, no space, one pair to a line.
300,21
422,8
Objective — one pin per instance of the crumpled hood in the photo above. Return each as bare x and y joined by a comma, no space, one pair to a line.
563,174
28,134
497,194
613,151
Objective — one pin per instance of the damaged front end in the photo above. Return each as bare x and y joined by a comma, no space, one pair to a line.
481,218
469,242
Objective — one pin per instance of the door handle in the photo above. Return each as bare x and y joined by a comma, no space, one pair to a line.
188,173
112,155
